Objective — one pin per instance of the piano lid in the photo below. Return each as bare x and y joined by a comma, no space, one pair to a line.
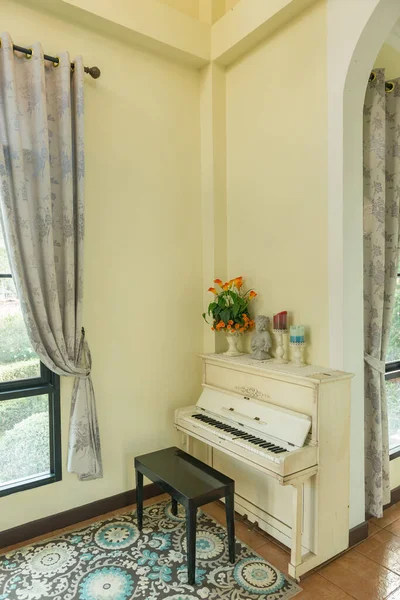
281,423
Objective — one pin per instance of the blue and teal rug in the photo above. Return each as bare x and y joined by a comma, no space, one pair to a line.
110,560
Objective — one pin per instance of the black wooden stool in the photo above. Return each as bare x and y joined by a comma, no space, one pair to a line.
192,483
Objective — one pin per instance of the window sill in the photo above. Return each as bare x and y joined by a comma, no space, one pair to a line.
28,484
394,453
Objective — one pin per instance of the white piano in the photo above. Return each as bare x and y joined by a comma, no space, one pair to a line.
283,434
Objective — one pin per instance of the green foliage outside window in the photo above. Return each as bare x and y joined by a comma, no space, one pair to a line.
393,385
15,345
25,449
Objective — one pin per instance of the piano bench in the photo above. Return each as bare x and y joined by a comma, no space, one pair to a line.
192,483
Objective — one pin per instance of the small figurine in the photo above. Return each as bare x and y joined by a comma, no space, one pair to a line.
261,340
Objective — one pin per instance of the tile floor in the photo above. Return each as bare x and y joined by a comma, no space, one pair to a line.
369,571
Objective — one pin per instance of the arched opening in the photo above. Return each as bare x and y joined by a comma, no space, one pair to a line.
356,32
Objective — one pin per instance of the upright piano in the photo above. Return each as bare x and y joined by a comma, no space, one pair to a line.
283,434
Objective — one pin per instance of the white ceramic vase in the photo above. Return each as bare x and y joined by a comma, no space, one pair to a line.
233,340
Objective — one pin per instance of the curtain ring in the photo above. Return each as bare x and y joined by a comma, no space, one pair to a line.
56,63
372,77
29,56
389,87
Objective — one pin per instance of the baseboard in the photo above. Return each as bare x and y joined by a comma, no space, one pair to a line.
33,529
394,496
358,533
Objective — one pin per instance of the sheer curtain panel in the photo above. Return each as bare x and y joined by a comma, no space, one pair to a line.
42,215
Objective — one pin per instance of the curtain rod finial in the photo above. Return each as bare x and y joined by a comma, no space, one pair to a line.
93,72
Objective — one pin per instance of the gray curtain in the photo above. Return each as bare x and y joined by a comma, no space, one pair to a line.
42,214
381,230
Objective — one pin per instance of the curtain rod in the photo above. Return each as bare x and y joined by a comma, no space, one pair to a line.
92,71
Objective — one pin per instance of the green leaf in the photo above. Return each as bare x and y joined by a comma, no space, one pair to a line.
225,316
212,307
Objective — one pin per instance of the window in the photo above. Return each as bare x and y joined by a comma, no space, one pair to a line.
393,377
30,440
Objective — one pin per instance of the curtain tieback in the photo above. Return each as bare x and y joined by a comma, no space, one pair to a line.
84,357
374,363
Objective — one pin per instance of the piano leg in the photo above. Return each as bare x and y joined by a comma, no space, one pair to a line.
297,525
209,455
188,443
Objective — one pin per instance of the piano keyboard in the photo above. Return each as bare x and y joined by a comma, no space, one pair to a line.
239,436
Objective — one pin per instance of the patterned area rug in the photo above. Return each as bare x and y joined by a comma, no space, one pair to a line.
110,560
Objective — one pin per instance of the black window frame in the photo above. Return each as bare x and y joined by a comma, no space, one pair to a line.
392,371
48,383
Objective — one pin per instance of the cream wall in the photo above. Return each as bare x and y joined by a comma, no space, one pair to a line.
143,266
230,4
277,175
188,7
205,10
389,59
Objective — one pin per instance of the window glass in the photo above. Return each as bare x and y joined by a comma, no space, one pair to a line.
393,400
393,364
393,353
24,439
18,360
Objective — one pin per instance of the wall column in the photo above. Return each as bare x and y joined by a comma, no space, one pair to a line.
213,184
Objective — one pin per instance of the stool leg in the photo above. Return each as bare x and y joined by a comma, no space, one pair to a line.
174,507
230,525
191,543
139,499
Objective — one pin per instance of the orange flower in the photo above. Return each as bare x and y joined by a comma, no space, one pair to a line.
225,287
239,282
252,294
218,281
229,326
212,328
241,329
220,325
230,322
213,290
245,317
237,326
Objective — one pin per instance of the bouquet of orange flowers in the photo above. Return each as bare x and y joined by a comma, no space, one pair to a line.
230,307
